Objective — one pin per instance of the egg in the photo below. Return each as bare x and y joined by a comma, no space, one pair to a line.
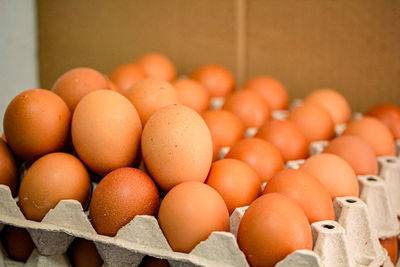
119,197
149,95
83,253
252,110
315,122
176,146
149,261
334,173
261,155
225,127
273,227
126,75
192,94
389,115
189,213
52,178
235,181
113,87
215,78
106,131
287,137
306,190
157,66
36,122
73,85
17,242
8,168
391,245
356,152
271,90
373,132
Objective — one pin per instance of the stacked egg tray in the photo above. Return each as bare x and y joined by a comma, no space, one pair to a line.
351,240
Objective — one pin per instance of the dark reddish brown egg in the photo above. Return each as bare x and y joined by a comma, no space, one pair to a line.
8,168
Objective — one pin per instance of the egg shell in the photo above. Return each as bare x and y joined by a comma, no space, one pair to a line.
36,122
273,227
189,213
157,66
83,253
126,75
51,178
306,190
106,131
17,242
391,245
119,197
176,146
389,115
192,94
8,168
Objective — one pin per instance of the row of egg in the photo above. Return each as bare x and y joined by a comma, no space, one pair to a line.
178,145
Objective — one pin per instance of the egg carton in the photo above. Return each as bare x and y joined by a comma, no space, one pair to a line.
217,103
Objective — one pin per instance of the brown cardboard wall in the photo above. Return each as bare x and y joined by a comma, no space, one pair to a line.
351,46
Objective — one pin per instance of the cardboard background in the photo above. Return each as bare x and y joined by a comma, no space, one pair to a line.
351,46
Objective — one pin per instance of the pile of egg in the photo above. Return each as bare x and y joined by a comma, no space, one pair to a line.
188,151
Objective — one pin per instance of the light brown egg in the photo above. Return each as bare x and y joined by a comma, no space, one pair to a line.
126,75
261,155
252,110
373,132
176,146
235,181
216,79
106,131
150,95
8,168
389,115
306,190
271,90
334,173
84,254
157,66
287,137
273,227
189,213
315,122
36,122
225,127
17,242
391,245
73,85
333,102
356,152
52,178
192,94
119,197
113,87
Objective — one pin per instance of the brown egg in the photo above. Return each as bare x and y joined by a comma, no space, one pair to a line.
273,227
126,75
119,197
225,127
391,245
84,254
157,66
373,132
113,87
8,168
52,178
235,181
306,190
192,94
189,213
271,90
389,115
215,78
17,242
333,102
356,152
176,146
314,121
106,131
36,122
149,95
149,261
73,85
261,155
287,137
249,107
334,173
